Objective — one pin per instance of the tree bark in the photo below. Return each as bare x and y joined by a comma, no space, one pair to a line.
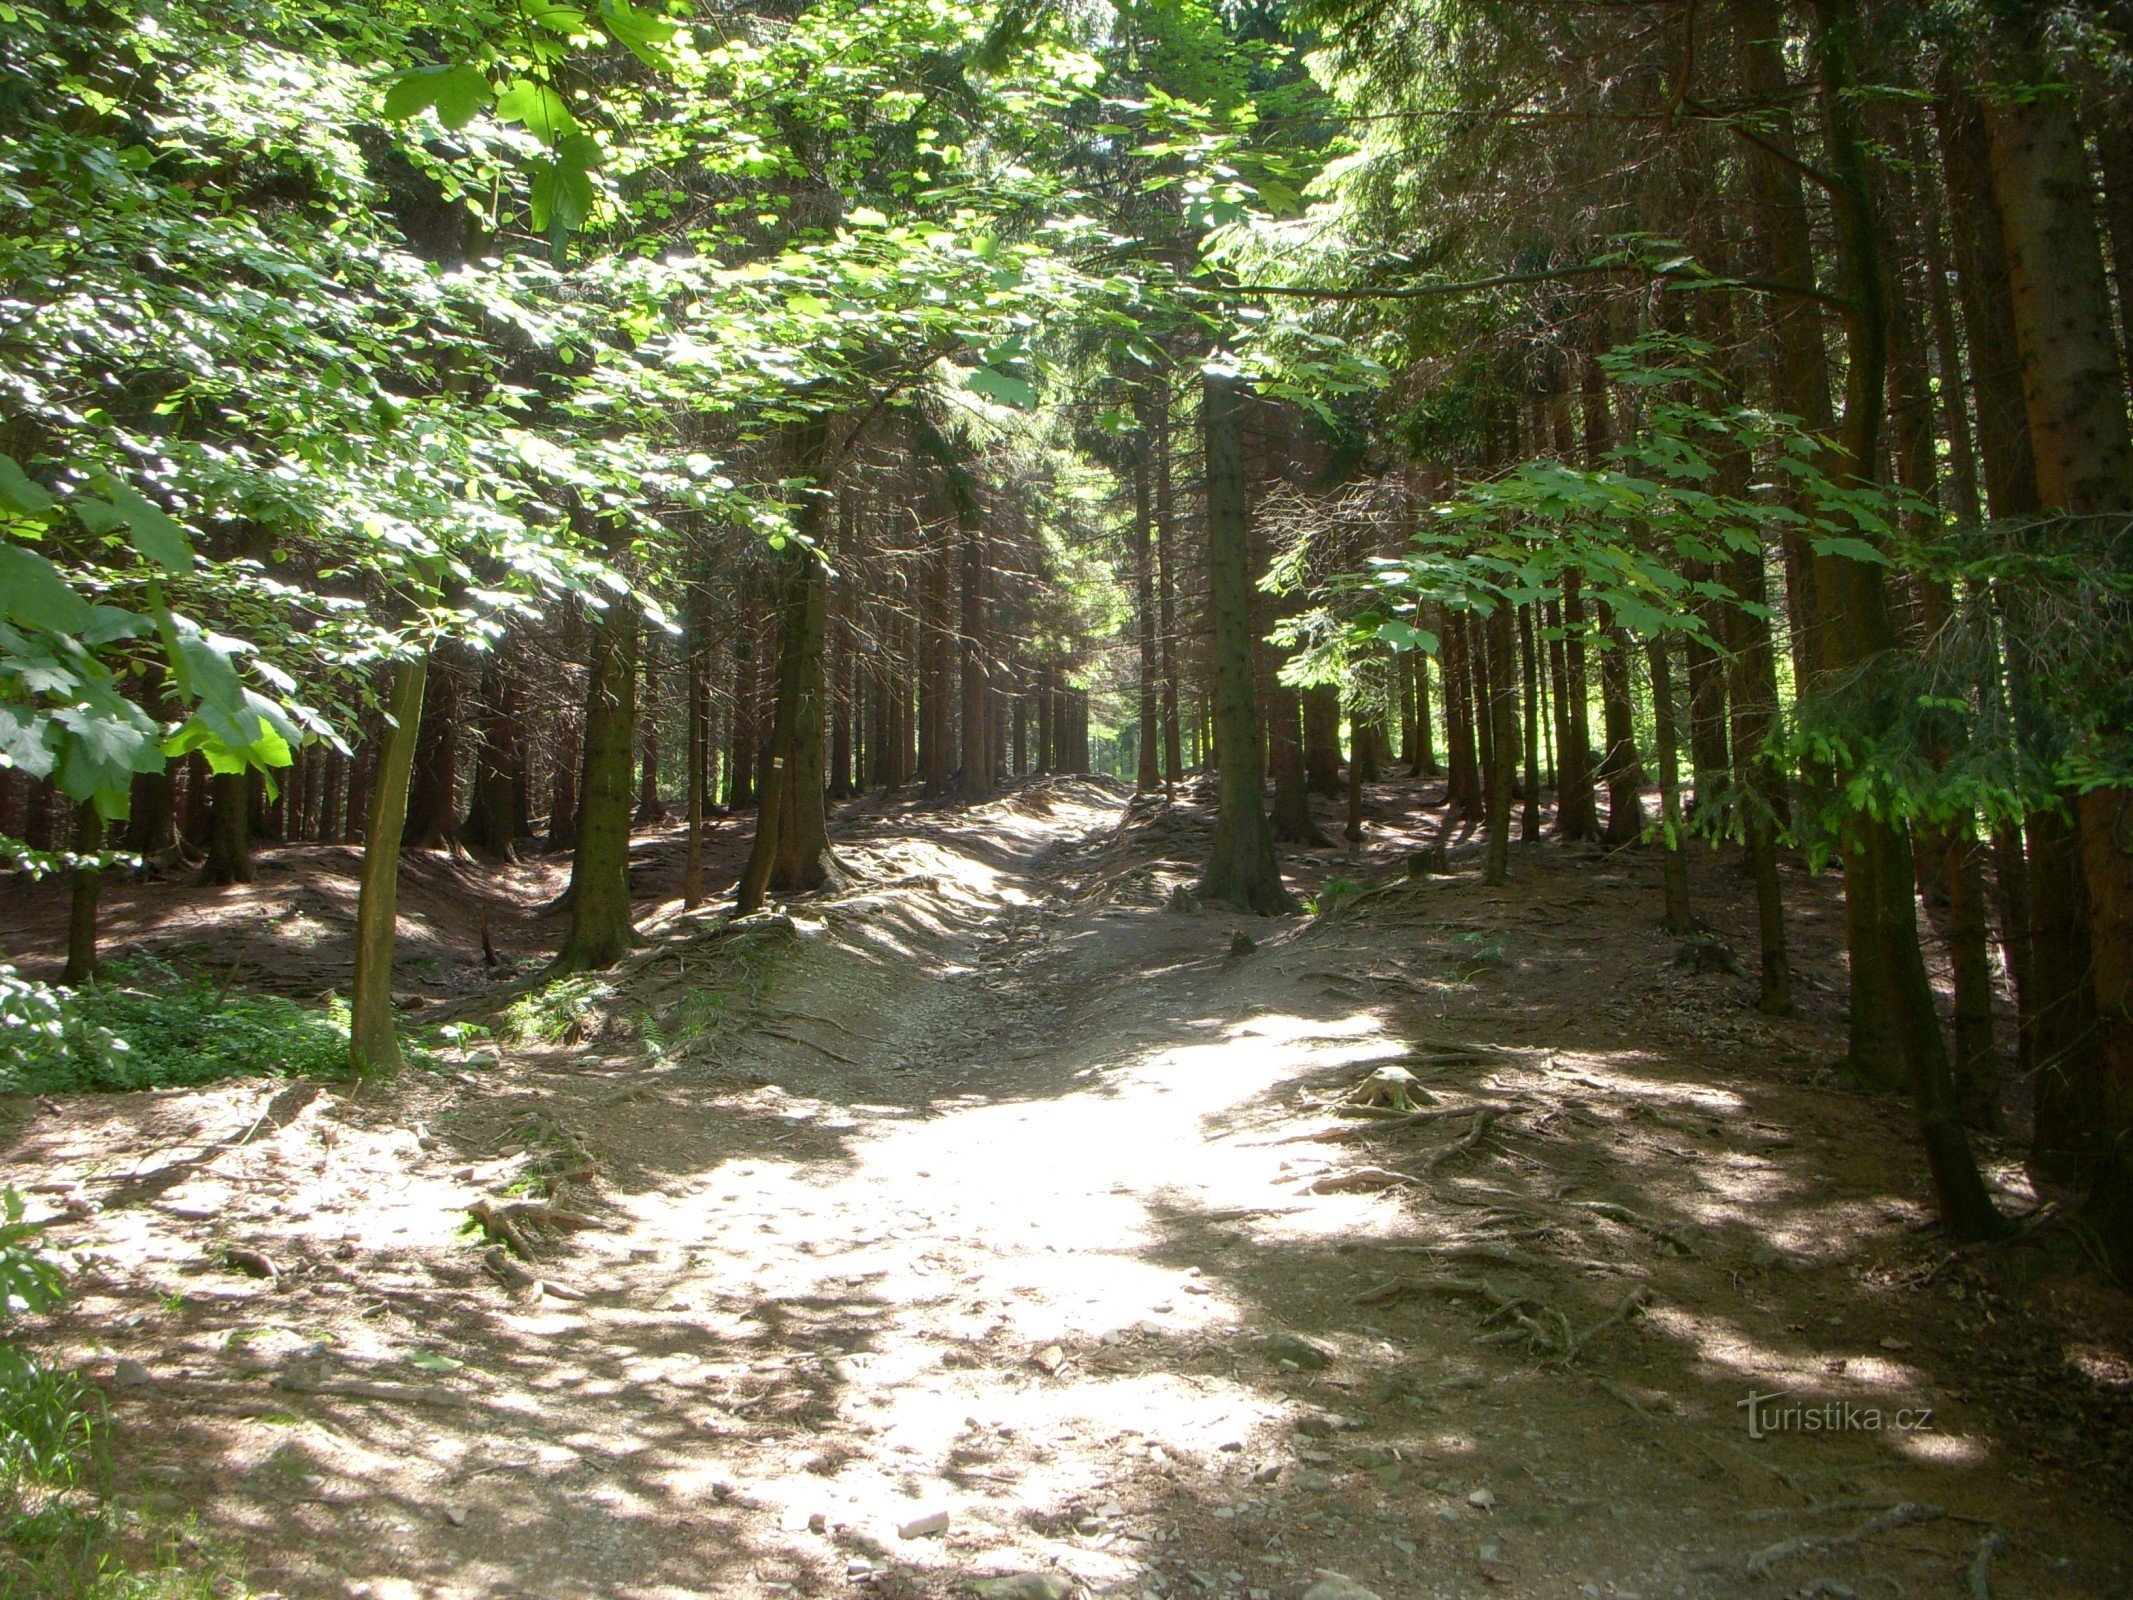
1241,869
229,833
373,1042
599,894
82,960
1674,864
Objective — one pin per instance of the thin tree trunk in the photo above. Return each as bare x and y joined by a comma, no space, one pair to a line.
1674,864
81,912
373,1043
1501,710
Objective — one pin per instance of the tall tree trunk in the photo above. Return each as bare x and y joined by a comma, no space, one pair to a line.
1674,864
1878,861
1167,583
698,646
791,850
1622,768
651,810
1241,870
229,831
1501,709
1425,723
433,792
1529,822
2074,396
599,894
1148,771
1576,807
373,1042
976,741
1322,738
1756,778
81,912
492,823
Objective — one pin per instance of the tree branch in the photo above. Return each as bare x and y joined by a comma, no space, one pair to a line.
1433,291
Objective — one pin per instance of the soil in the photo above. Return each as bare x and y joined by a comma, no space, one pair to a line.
1000,1215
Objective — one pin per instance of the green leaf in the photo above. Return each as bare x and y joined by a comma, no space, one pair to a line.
1406,636
457,90
539,108
639,33
23,740
562,196
430,1362
19,492
1854,549
155,534
1007,390
35,595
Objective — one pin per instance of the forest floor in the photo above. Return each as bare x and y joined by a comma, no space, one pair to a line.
996,1216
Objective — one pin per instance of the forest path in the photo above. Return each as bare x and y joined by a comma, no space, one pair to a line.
992,1218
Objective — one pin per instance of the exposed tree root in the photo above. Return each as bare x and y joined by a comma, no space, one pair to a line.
1537,1323
1981,1565
1901,1515
1665,1233
511,1224
1483,1118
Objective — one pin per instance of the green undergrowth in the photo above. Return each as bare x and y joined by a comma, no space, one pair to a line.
145,1024
62,1536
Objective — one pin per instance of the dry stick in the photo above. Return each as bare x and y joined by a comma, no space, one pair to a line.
1901,1515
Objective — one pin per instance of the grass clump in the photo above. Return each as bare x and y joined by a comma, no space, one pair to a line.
145,1025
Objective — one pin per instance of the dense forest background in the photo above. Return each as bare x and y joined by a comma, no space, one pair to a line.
1666,426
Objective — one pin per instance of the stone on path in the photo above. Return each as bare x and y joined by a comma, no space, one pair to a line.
1334,1586
1298,1352
1025,1586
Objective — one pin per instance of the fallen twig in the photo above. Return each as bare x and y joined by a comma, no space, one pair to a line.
1901,1515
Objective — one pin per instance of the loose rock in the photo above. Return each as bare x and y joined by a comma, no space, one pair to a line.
1336,1586
1298,1352
932,1523
1024,1586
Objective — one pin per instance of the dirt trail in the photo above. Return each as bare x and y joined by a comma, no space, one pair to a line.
995,1189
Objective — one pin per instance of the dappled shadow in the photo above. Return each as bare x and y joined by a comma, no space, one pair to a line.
995,1189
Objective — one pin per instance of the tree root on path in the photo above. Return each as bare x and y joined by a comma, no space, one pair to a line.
1901,1515
1394,1121
1483,1118
510,1224
1539,1324
1665,1233
1981,1565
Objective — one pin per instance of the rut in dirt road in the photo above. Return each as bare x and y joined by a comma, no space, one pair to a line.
996,1218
